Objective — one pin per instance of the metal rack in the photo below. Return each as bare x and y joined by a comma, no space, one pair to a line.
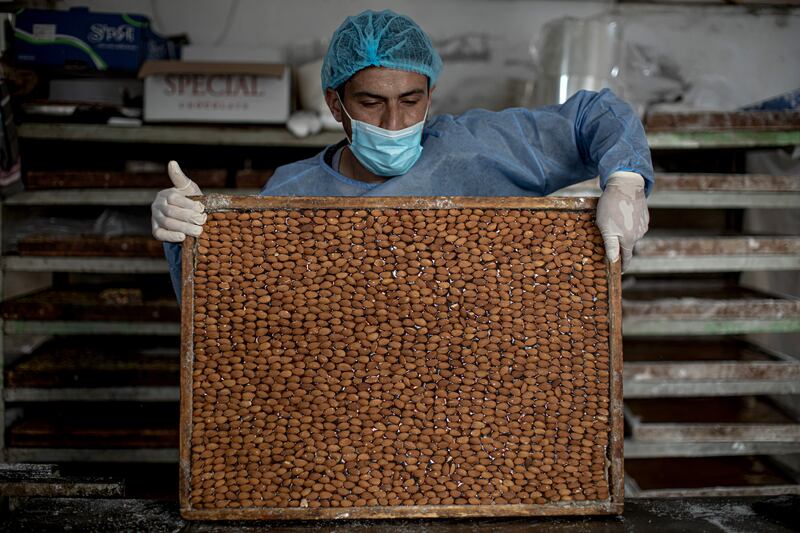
664,377
140,198
774,373
200,135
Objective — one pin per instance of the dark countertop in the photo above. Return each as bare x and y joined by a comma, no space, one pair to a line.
763,515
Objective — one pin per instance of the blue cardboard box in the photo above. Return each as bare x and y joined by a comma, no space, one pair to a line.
79,38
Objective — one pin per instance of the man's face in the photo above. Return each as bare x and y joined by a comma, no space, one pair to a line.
384,97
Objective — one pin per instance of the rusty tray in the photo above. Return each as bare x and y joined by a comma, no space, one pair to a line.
692,477
399,357
87,245
90,302
97,361
102,425
715,419
662,367
705,299
722,121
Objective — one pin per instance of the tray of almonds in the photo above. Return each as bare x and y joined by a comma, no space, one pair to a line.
399,358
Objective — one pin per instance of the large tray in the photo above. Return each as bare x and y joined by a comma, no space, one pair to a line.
399,357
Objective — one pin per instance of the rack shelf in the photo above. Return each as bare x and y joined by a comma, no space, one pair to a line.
677,308
639,327
164,134
710,379
655,254
280,137
675,477
64,327
635,449
696,140
121,265
714,263
92,455
724,199
93,394
722,129
117,197
717,419
711,191
696,367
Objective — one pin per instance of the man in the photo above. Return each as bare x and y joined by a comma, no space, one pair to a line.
379,75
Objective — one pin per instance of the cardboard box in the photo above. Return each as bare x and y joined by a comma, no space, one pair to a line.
85,40
198,91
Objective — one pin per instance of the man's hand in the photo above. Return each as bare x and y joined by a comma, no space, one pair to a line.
174,216
622,215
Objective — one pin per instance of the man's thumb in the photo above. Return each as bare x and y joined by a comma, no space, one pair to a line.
612,247
180,181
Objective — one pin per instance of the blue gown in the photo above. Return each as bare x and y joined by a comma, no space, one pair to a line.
515,152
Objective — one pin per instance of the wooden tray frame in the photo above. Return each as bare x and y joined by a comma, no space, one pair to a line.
221,203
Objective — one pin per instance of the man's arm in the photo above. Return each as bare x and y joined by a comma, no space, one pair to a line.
174,216
611,142
609,137
593,134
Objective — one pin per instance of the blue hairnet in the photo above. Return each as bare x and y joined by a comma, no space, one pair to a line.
379,39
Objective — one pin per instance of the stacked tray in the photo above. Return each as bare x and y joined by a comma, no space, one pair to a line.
88,303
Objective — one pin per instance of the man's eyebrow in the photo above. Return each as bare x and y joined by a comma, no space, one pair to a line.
413,92
368,94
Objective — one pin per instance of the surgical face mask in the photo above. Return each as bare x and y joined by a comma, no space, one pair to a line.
385,152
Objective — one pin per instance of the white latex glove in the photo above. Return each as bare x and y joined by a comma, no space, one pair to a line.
174,216
622,215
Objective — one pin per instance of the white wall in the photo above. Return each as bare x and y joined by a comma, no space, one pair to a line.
756,50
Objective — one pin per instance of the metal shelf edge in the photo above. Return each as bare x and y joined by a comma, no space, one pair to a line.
125,197
721,139
130,265
724,199
63,327
99,394
280,137
675,388
651,450
713,263
637,327
90,455
223,135
737,491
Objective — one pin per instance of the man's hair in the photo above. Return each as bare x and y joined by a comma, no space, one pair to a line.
378,39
